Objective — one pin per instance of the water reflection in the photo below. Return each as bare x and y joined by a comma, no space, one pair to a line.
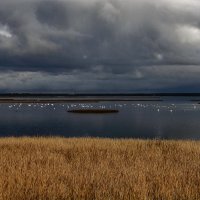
179,120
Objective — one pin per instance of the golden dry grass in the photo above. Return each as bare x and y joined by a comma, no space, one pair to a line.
84,168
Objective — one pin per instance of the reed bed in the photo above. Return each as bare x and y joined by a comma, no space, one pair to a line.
107,169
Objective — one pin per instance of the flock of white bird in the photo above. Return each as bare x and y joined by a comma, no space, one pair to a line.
155,107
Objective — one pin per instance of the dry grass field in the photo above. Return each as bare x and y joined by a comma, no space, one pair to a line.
85,168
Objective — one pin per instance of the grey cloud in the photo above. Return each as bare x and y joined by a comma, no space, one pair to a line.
52,13
144,79
122,36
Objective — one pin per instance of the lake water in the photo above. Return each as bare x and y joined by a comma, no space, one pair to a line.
169,119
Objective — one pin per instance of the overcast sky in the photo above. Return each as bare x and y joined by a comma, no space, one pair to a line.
99,45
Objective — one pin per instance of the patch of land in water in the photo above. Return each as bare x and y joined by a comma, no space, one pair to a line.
86,168
93,111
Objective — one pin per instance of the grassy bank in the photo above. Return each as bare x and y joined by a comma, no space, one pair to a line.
58,168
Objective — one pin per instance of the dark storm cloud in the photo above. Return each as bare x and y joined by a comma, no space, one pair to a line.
120,40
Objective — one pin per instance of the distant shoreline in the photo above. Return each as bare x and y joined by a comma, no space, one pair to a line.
66,95
72,99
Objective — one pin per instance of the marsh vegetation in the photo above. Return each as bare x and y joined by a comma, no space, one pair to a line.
85,168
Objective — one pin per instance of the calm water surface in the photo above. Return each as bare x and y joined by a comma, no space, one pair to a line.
170,119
